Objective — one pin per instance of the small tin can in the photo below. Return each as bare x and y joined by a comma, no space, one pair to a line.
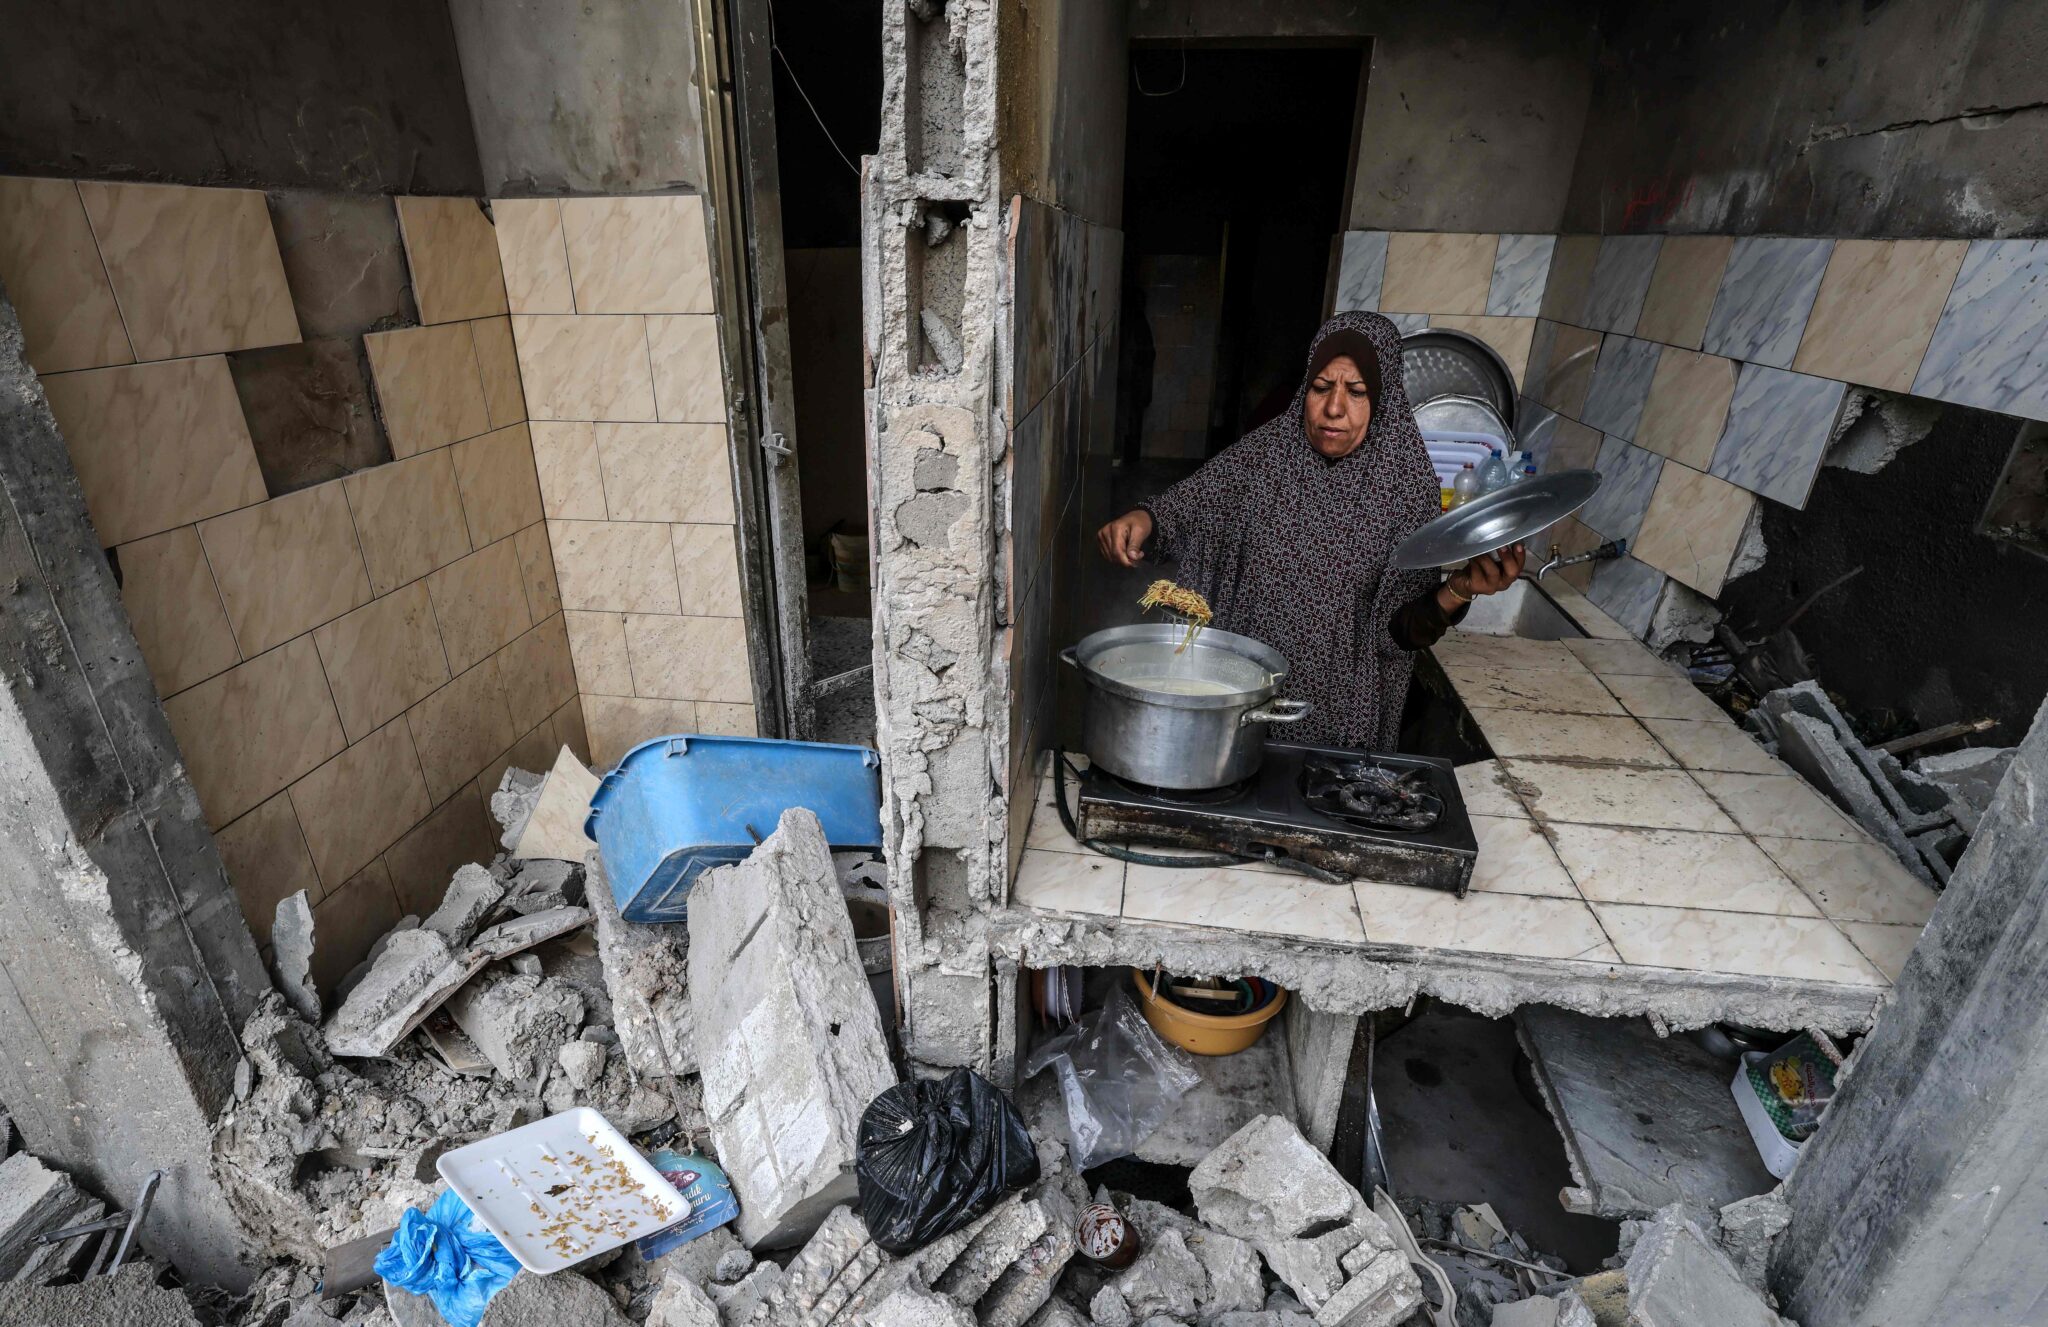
1105,1237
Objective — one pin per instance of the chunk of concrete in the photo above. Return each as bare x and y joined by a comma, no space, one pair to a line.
469,899
554,826
792,1048
646,970
912,1306
130,1297
520,933
520,1023
1748,1229
1056,1313
512,804
1969,778
1813,748
34,1200
1678,1278
744,1300
563,1299
374,1016
582,1063
540,884
291,955
682,1303
1537,1312
1266,1184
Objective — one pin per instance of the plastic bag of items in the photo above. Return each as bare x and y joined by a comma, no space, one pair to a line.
935,1154
440,1254
1119,1079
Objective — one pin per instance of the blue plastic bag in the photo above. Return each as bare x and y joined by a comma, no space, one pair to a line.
440,1254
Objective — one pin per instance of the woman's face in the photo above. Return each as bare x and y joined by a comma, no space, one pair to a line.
1338,408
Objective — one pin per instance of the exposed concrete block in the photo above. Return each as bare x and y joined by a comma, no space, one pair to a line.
1678,1278
646,969
34,1200
373,1016
291,955
520,1023
563,1299
792,1048
1235,1280
910,1306
471,895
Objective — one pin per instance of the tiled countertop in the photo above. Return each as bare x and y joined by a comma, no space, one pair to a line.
1627,825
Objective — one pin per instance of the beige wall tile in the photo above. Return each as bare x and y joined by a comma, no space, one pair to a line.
570,730
571,481
498,364
347,922
175,609
1876,310
266,860
615,566
584,368
409,517
453,252
597,644
1573,353
116,424
248,732
429,386
480,602
1431,273
726,720
1687,405
689,380
537,570
537,674
500,494
620,723
459,728
51,268
421,862
382,658
1692,528
196,271
666,472
530,248
689,658
359,803
1510,337
708,566
1682,289
1571,278
287,565
638,255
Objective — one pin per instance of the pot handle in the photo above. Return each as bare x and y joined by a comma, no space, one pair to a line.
1278,711
1067,657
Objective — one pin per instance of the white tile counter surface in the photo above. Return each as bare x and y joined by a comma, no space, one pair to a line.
1625,821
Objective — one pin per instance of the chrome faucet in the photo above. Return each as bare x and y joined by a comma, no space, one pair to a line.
1613,548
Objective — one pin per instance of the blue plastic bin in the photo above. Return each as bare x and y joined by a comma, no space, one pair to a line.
677,806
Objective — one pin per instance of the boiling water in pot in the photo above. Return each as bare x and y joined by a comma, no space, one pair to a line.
1158,667
1181,686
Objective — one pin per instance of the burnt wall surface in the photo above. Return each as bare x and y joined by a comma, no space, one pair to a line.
1060,104
359,98
1818,117
1944,624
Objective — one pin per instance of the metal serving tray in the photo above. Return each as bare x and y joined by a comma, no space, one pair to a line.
1486,525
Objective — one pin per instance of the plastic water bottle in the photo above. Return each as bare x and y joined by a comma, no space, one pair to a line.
1493,476
1526,472
1465,487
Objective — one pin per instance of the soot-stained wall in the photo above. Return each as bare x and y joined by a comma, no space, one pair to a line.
358,98
1817,117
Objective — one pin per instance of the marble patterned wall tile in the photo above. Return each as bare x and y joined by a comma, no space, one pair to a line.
1360,269
1765,296
195,270
1621,278
429,386
169,593
51,268
571,480
1570,279
615,566
382,658
638,255
1541,344
1989,349
585,368
1693,527
689,658
452,250
460,729
1520,267
1573,446
251,730
708,566
617,724
1876,310
408,517
1621,384
1429,272
498,365
1509,337
1535,430
1573,353
500,492
535,259
1681,295
1628,476
666,472
537,569
1404,323
1628,591
597,647
1778,427
689,379
1687,406
287,565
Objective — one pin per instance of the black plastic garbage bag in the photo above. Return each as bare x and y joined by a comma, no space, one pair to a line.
934,1155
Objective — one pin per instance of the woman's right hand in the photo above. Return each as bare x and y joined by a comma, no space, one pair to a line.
1123,539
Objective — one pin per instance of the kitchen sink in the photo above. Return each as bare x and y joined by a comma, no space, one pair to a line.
1523,609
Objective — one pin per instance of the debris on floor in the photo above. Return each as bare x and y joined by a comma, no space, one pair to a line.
128,1297
1678,1277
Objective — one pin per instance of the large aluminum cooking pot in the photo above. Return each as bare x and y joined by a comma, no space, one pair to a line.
1187,720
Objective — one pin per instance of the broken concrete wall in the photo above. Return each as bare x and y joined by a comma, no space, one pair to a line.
1835,118
124,947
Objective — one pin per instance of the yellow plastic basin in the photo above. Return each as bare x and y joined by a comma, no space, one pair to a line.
1204,1034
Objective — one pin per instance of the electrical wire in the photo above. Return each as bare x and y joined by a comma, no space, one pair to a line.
796,83
1140,83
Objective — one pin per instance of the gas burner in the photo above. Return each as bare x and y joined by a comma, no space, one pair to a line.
1365,791
1229,792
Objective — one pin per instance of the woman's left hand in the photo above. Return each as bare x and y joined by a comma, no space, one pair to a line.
1489,573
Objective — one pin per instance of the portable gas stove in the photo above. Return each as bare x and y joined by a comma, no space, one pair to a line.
1391,818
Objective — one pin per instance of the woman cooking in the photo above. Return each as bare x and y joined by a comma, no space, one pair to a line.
1288,532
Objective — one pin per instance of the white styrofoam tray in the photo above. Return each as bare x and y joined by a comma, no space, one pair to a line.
1778,1152
562,1189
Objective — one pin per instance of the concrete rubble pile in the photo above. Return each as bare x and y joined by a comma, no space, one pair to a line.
1925,813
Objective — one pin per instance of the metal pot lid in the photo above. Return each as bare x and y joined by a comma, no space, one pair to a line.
1462,414
1491,523
1254,670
